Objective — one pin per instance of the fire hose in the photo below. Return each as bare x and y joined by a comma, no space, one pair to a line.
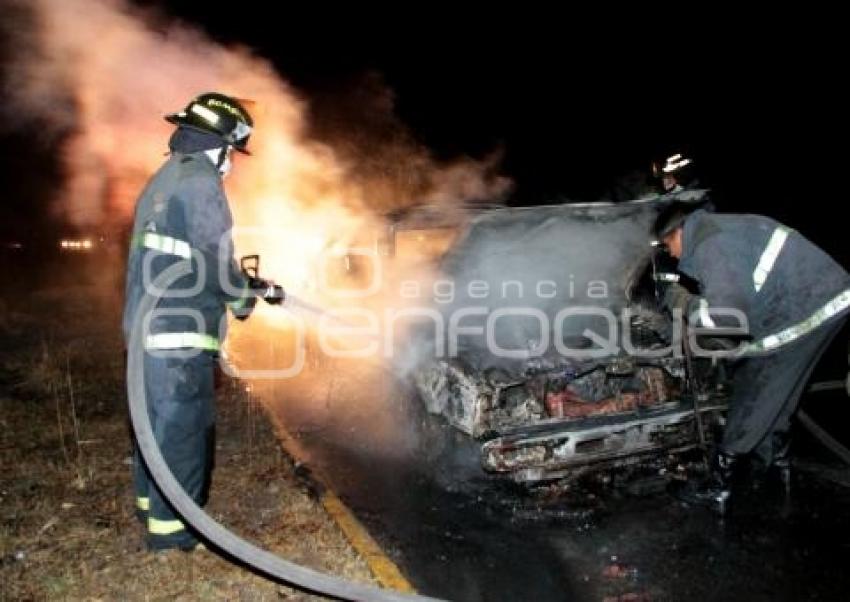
815,429
830,442
257,558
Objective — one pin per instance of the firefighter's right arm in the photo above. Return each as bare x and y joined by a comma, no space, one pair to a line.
720,313
208,228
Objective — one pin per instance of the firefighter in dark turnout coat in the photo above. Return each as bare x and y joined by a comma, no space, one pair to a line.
183,215
794,297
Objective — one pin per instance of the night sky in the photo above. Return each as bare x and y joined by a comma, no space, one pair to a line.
574,103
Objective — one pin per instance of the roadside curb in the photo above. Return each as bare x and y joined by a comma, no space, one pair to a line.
380,564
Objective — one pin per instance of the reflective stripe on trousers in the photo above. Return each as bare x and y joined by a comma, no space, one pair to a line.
164,527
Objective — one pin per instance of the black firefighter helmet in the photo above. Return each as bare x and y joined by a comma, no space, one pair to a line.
674,214
217,114
676,173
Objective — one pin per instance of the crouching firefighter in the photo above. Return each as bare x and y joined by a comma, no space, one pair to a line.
794,299
183,215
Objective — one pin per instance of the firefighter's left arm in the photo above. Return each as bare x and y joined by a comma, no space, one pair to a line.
209,226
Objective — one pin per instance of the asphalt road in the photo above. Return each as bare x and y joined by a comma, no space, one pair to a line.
459,535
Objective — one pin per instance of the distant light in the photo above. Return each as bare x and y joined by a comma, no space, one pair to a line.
76,245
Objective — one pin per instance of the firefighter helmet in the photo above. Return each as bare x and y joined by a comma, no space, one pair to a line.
676,172
217,114
674,214
674,164
671,218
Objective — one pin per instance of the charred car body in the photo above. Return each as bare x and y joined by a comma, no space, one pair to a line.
560,360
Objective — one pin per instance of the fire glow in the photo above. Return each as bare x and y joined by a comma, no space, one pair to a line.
101,85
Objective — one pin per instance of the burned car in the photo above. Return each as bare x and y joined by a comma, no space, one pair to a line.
559,358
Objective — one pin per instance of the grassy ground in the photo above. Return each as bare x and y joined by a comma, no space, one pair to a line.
67,529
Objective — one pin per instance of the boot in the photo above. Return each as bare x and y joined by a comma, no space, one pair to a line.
772,467
715,490
778,476
782,461
784,473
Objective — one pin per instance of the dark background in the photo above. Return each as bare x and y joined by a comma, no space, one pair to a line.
573,101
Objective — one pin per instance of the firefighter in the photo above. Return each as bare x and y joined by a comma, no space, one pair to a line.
794,298
183,215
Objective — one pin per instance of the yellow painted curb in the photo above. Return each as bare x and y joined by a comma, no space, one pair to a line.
383,568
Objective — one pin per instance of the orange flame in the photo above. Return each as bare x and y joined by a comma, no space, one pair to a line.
122,70
103,75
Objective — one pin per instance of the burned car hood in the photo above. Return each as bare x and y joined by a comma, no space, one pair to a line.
518,263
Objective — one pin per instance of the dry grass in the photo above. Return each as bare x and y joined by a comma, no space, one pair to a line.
67,529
